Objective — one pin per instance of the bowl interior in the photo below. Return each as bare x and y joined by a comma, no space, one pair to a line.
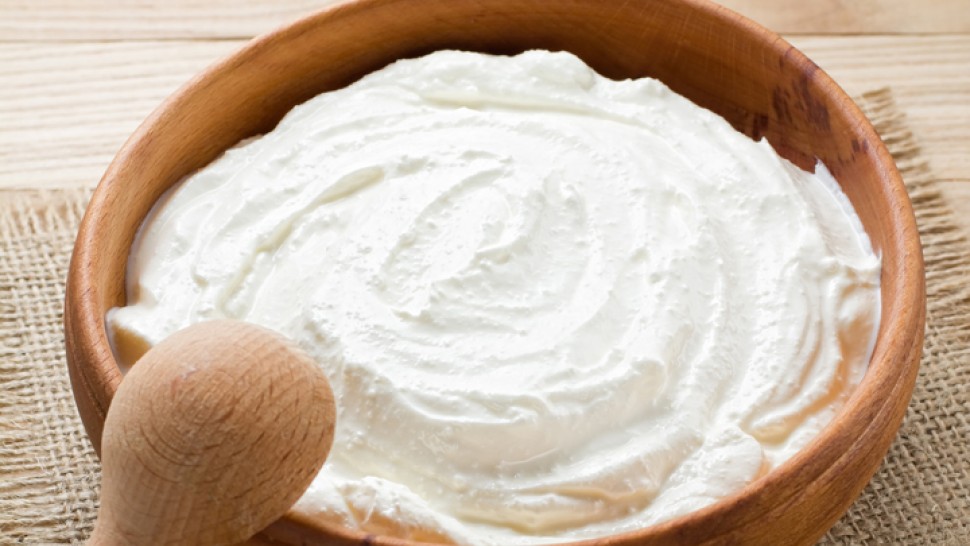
758,82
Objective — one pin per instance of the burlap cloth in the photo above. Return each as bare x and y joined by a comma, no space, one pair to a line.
49,475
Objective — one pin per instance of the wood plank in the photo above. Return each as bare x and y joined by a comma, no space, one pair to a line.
59,20
857,16
50,20
65,109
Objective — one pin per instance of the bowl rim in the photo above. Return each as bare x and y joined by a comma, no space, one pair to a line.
893,366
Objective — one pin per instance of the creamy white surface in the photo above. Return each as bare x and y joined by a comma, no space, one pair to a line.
551,305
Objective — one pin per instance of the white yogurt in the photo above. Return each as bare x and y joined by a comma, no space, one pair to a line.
551,305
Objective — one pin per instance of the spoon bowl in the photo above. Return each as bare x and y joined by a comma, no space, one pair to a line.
213,435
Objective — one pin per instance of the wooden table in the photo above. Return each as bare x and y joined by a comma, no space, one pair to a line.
77,76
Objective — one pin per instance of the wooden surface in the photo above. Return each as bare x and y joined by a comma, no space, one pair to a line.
79,75
782,97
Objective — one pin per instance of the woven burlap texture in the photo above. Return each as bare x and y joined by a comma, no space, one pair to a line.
49,474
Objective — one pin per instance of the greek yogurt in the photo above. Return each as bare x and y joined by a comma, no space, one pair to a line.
551,305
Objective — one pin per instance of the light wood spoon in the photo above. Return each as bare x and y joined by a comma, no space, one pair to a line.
213,435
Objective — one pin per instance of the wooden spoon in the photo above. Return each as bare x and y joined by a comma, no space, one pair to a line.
212,436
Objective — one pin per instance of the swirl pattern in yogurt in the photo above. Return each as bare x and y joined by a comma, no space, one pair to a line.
551,305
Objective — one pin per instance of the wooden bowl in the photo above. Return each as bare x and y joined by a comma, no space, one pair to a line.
747,74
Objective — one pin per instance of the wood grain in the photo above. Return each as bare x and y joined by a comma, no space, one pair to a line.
65,109
60,20
89,20
699,51
212,436
857,16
